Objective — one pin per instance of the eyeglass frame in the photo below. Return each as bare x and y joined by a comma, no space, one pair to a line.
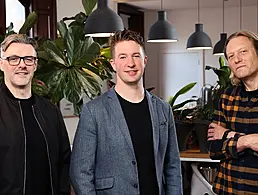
20,58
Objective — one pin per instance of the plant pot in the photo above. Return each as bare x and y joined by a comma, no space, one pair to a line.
183,131
201,129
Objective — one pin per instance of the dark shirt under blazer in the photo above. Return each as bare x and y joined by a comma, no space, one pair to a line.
103,154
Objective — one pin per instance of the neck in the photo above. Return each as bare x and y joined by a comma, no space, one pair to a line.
20,93
131,93
251,84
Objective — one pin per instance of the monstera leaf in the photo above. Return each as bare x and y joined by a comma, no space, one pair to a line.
70,61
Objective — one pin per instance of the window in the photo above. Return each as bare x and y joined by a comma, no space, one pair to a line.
15,13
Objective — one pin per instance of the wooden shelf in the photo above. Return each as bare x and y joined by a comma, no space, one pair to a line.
195,156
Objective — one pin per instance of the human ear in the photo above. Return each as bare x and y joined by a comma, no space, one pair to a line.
112,62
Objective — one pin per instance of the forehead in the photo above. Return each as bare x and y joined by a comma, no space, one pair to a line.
20,49
127,47
238,43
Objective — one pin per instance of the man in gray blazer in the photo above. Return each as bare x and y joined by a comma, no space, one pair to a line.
126,142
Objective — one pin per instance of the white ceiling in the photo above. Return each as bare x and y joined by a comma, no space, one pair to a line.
186,4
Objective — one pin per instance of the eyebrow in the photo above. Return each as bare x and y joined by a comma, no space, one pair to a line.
245,47
127,54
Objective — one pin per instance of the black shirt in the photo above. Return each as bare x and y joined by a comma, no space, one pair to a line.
138,120
37,174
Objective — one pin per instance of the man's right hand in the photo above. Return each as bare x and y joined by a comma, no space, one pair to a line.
215,132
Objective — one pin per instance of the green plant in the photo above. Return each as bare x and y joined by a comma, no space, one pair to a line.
179,113
205,111
182,91
74,65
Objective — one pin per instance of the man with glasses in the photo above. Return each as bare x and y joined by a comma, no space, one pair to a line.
34,145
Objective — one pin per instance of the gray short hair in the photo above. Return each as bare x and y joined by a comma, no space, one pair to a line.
17,38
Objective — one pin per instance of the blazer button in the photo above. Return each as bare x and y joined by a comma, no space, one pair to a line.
135,186
133,162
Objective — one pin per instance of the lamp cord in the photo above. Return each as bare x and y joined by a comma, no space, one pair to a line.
161,5
240,14
223,15
198,10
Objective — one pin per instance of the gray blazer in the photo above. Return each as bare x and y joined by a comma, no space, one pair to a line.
103,154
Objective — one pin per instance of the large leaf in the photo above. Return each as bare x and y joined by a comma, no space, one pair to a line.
182,91
89,6
55,53
30,21
62,28
72,43
104,67
90,82
175,107
57,84
221,62
86,52
79,82
73,90
39,87
106,52
80,18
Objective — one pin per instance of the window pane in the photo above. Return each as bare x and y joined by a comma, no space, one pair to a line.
15,13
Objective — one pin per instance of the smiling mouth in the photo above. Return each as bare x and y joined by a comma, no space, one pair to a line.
21,73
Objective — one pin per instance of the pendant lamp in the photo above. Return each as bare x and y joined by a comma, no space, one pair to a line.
162,31
219,46
199,39
103,21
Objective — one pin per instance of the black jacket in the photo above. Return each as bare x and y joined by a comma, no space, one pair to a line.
12,144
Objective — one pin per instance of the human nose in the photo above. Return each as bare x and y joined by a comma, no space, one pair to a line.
22,63
237,58
130,61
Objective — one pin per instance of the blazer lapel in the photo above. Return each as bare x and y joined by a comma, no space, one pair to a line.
119,116
154,120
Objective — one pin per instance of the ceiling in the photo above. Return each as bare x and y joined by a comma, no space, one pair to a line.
185,4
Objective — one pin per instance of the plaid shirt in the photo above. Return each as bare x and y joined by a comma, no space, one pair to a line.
237,111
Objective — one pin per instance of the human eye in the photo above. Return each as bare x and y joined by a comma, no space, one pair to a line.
13,59
136,55
122,57
29,59
243,51
230,56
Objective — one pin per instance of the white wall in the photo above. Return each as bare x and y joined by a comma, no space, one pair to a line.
184,21
68,8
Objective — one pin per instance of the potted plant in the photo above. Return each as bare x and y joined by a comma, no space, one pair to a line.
203,113
182,121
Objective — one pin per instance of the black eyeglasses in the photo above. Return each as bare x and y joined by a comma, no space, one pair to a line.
15,60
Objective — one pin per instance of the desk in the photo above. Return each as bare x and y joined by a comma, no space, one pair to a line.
195,156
